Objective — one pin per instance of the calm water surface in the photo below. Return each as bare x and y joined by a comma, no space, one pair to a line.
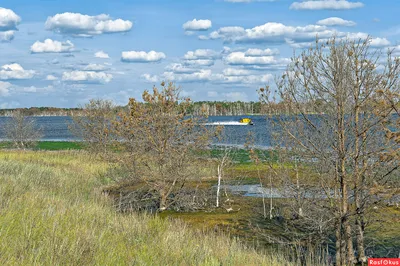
55,128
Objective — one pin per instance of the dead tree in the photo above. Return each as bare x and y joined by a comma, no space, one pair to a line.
335,125
22,131
93,125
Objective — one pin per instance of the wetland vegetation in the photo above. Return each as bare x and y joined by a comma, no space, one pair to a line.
145,184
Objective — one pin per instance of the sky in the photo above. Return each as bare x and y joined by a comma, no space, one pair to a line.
63,53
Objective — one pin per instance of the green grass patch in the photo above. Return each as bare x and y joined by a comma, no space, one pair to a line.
48,145
384,230
5,145
239,156
58,145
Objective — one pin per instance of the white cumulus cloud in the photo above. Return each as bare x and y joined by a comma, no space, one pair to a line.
150,78
272,32
95,67
101,54
379,42
8,24
8,19
242,79
33,89
142,57
235,72
335,21
197,25
50,46
5,88
51,77
374,41
227,33
325,4
200,57
179,68
240,58
260,52
80,25
6,36
230,76
201,54
199,62
87,77
199,76
15,71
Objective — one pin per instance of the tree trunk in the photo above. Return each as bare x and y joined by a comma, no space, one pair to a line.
361,258
338,242
358,175
270,197
346,227
219,184
163,202
348,239
298,190
359,224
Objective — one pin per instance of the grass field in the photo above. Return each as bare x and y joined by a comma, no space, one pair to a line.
49,145
238,155
44,193
52,212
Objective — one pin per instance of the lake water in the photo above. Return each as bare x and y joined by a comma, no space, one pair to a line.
55,128
284,193
267,192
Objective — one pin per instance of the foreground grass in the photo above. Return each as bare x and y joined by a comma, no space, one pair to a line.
52,212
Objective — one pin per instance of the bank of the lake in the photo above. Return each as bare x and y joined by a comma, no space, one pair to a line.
49,145
53,213
56,128
241,217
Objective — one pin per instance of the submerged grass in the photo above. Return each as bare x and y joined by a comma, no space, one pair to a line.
52,212
238,155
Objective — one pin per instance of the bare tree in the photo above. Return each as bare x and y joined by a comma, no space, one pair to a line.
222,164
158,139
344,145
224,159
93,124
22,131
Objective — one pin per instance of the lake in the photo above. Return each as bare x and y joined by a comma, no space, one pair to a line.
55,128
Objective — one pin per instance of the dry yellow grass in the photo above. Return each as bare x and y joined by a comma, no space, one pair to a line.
53,213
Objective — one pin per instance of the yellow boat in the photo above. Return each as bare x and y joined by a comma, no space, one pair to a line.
246,121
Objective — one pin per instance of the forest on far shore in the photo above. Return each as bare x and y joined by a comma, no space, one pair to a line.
211,108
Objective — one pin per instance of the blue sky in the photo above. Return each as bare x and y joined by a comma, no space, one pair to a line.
63,53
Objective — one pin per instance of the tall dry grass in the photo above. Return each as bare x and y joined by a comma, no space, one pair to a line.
52,212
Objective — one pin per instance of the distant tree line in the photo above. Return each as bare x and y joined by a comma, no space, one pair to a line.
40,111
210,108
217,108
